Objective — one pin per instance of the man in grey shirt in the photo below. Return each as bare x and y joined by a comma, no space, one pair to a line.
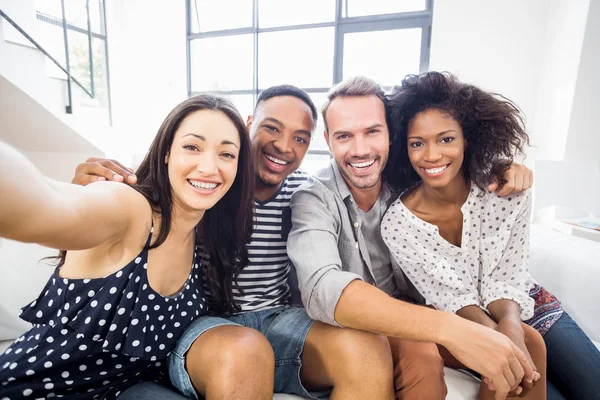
346,276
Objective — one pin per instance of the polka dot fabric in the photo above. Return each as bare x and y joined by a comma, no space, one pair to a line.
491,263
94,338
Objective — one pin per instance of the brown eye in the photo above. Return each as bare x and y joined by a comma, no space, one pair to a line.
300,140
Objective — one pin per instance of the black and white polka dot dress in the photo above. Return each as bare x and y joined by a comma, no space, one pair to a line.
94,338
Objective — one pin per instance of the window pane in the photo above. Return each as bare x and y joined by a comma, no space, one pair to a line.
75,12
51,38
100,76
222,63
243,102
358,8
314,162
318,141
79,58
375,54
299,57
211,15
294,12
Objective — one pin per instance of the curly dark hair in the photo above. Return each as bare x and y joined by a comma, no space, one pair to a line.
492,125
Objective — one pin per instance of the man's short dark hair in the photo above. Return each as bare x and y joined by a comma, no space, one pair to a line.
288,90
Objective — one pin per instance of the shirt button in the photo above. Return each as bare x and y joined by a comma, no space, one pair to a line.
356,245
356,224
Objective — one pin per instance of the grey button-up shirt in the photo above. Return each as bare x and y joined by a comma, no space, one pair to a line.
328,248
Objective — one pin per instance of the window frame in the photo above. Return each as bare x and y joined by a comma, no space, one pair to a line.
342,25
91,34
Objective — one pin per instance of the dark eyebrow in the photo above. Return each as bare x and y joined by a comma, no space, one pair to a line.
204,139
196,135
278,122
303,132
273,120
229,142
374,126
378,125
438,134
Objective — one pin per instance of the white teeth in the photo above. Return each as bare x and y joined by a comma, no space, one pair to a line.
203,185
276,160
363,164
436,170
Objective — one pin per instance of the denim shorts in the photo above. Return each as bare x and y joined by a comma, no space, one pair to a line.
284,327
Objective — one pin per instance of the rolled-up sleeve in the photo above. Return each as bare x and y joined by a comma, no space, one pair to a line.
510,279
313,249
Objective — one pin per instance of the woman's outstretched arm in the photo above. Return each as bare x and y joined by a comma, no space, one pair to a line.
60,215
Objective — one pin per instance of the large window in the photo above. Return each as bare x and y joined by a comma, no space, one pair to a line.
237,48
86,43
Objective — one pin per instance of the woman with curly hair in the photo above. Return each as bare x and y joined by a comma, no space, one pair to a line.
466,248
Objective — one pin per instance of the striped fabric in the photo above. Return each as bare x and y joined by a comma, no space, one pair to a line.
264,280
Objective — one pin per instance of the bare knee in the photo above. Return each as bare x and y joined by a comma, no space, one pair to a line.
535,345
363,353
418,368
533,337
228,357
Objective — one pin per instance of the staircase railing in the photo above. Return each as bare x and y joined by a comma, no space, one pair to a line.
67,69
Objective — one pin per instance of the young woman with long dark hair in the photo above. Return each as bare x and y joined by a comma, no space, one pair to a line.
130,280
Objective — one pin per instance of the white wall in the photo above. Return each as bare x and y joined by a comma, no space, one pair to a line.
583,141
29,72
560,63
57,166
26,67
23,13
147,45
528,51
496,45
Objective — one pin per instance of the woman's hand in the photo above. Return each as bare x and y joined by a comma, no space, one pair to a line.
513,330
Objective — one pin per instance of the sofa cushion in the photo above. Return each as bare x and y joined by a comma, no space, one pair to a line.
22,277
568,267
461,386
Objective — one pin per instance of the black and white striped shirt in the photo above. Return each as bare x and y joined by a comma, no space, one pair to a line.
264,280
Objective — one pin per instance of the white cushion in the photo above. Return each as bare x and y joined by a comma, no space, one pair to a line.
461,386
561,263
22,278
569,267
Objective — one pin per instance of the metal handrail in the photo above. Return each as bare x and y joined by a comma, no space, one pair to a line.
41,49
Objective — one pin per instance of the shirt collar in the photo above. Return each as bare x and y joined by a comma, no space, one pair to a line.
344,190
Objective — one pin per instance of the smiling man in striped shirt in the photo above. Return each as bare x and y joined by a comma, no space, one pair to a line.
267,344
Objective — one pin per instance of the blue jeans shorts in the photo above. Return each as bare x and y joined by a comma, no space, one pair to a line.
284,327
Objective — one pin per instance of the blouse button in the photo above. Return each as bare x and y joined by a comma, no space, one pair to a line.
356,245
356,224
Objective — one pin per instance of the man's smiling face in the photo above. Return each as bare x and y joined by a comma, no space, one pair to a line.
280,130
359,139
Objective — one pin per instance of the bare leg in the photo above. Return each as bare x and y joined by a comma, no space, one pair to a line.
418,370
232,362
357,364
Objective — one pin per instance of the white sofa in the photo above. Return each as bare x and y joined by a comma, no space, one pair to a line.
567,266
